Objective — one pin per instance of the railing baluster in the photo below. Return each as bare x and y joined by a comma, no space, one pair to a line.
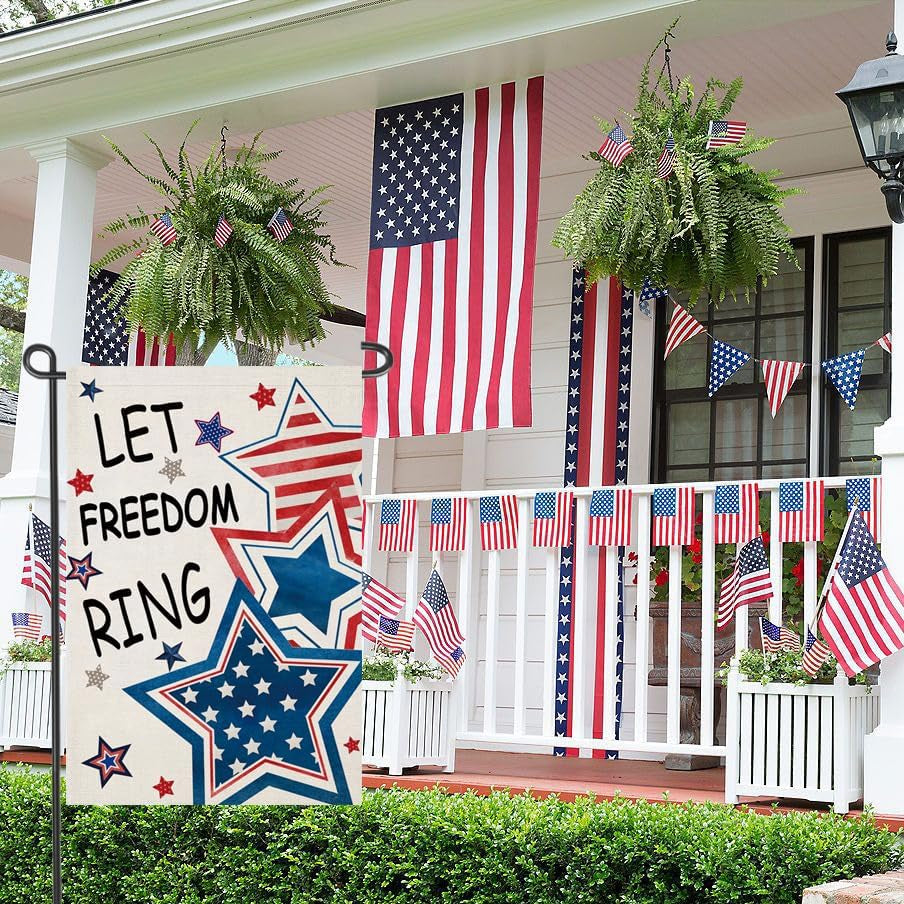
642,636
521,618
707,620
370,510
411,563
551,598
611,646
742,624
489,673
579,621
673,688
810,580
775,560
465,583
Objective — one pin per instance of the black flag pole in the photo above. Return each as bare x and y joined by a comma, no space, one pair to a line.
53,376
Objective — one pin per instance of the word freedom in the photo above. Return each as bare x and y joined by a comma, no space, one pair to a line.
150,514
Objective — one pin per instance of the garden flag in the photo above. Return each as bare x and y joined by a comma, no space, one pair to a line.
552,518
867,493
27,625
816,653
777,638
211,650
435,616
38,561
398,524
448,524
395,635
862,619
801,511
610,518
681,328
725,361
779,377
884,342
723,132
844,372
499,521
666,162
616,146
450,273
673,516
736,510
749,581
377,602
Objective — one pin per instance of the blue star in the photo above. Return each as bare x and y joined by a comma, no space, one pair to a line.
171,654
90,390
307,584
212,432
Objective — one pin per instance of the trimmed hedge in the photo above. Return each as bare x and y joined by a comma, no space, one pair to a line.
427,847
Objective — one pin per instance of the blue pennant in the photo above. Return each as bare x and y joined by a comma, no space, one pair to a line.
726,360
648,293
844,372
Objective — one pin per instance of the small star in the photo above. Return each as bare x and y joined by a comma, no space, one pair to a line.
293,741
252,746
352,744
268,724
226,689
90,390
212,432
256,647
109,761
232,732
262,687
171,655
96,677
81,483
164,787
288,703
236,766
308,678
172,469
240,669
82,570
210,714
263,396
190,696
247,709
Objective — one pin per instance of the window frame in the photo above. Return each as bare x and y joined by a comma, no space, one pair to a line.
663,398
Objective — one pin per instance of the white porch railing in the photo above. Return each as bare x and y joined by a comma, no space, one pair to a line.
511,628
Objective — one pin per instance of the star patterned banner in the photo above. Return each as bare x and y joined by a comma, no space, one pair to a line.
215,585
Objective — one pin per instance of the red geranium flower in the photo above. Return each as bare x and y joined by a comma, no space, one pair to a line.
798,572
662,577
696,551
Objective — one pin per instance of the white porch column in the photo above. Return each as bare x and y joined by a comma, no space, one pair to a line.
60,257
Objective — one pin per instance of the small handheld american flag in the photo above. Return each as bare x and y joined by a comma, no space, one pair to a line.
39,560
435,616
723,132
27,625
280,225
749,581
616,146
395,635
499,522
777,638
666,162
163,228
377,602
222,232
816,654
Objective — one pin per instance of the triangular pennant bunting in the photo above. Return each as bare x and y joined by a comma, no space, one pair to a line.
885,342
844,372
648,293
779,377
726,360
681,328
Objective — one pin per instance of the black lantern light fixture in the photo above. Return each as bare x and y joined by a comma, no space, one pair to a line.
875,100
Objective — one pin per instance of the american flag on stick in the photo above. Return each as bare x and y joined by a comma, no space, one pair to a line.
377,601
736,509
39,560
777,638
552,518
499,521
610,518
673,516
616,146
222,232
681,328
435,616
749,581
398,523
866,494
27,625
280,225
723,132
163,228
666,162
862,618
816,654
395,635
801,511
448,524
450,272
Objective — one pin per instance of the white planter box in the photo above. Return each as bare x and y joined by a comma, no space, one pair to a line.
25,716
408,724
798,742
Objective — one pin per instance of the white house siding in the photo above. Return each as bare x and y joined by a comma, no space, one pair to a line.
500,459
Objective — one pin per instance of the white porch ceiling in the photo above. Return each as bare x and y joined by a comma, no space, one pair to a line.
790,69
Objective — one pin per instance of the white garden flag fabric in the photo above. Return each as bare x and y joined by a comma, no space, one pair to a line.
210,636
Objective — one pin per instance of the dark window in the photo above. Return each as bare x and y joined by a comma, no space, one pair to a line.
733,436
857,312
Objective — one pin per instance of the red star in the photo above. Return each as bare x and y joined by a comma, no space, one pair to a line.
263,396
352,744
164,786
81,483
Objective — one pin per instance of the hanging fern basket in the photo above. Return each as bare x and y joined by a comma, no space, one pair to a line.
712,226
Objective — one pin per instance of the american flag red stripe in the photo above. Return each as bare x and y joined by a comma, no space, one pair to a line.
398,524
681,328
674,510
499,521
145,351
801,511
377,601
448,524
456,312
740,523
779,377
610,518
552,518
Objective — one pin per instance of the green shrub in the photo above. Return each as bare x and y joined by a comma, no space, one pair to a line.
427,847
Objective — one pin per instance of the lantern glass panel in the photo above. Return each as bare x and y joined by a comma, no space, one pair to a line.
878,117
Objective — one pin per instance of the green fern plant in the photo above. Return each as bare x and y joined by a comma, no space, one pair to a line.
270,292
713,226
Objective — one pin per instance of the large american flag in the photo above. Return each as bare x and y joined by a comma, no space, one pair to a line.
106,339
377,601
552,518
499,521
801,511
736,510
673,516
450,273
448,523
435,616
38,562
867,493
862,619
749,581
398,523
610,518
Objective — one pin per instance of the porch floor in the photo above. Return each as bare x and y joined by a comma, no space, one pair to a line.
483,771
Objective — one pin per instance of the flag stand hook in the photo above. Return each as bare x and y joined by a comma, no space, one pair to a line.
53,376
380,349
